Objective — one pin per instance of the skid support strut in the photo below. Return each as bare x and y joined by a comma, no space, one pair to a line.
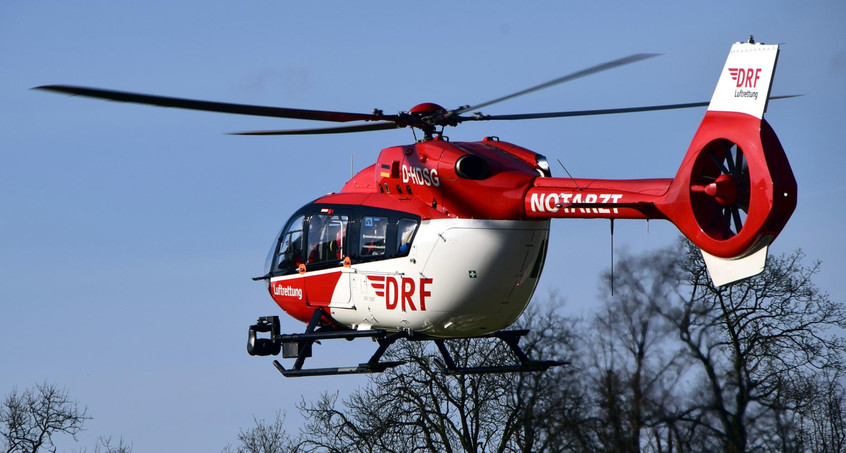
511,338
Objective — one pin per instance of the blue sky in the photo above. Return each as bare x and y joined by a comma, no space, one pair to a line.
128,234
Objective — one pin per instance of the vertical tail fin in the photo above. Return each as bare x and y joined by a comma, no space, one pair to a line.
746,79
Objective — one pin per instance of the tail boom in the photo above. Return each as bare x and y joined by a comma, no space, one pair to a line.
595,198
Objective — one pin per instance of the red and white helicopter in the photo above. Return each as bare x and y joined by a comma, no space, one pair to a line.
442,239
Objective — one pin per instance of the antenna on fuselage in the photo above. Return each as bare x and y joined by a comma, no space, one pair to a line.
612,257
568,174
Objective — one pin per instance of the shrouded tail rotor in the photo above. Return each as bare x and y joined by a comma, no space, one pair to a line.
720,189
735,189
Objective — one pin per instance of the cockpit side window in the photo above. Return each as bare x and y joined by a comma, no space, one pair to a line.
374,231
326,238
405,233
289,255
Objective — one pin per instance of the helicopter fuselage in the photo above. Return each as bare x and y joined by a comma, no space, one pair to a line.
461,277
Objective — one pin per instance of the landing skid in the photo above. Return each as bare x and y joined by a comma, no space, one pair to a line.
304,342
299,346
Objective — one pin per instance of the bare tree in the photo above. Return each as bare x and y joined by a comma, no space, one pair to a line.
819,423
680,365
104,445
751,345
416,408
552,408
264,437
633,366
30,419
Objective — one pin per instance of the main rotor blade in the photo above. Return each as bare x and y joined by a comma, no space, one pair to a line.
221,107
566,78
529,116
327,130
648,108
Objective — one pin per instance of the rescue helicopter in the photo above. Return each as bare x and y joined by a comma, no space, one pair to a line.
443,239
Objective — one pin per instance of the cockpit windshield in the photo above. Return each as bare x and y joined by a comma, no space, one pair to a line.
289,249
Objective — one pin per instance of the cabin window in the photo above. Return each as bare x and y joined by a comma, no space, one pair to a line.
405,232
321,236
290,253
373,236
326,238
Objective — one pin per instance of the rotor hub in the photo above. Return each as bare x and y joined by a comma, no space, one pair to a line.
723,189
426,109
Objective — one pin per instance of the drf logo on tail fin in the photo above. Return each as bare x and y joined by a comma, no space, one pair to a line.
744,83
745,77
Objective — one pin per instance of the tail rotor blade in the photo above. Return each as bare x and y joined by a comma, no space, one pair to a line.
727,147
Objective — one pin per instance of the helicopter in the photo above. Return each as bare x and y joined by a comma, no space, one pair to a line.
440,240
